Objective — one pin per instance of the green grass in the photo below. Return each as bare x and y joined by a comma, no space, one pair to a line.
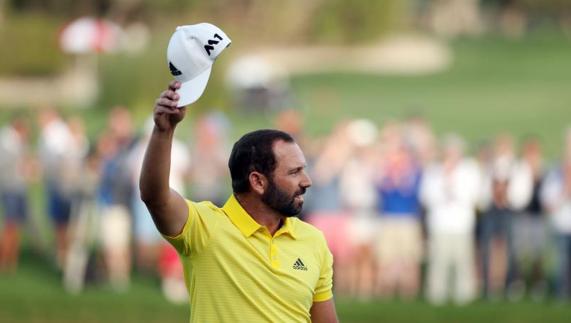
493,85
35,294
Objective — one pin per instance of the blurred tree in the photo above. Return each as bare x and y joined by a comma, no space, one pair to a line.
356,20
33,48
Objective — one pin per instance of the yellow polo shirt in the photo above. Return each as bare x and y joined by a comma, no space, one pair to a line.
236,271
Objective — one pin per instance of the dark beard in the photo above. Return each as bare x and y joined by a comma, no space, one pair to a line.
280,201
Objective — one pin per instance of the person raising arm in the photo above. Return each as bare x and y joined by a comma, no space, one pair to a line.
168,209
251,260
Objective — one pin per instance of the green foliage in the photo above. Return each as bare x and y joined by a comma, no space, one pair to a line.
30,46
130,79
357,20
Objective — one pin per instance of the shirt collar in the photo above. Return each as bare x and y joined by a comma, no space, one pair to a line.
287,228
246,224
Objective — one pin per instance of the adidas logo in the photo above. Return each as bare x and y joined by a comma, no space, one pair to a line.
174,70
299,265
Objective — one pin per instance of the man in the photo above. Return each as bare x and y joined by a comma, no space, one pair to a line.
251,260
555,195
15,171
55,138
449,191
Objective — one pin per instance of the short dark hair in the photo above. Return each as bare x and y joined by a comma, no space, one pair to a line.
254,152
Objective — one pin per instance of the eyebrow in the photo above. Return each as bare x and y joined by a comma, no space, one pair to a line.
295,169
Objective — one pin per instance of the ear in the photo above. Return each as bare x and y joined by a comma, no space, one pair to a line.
258,182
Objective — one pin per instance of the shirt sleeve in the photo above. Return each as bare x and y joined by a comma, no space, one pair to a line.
197,230
324,288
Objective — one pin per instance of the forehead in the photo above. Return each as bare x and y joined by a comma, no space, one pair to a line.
288,154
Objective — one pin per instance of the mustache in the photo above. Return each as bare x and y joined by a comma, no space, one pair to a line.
300,192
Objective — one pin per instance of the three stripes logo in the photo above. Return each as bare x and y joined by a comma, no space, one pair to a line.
299,265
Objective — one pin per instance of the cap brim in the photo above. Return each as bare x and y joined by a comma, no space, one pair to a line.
191,91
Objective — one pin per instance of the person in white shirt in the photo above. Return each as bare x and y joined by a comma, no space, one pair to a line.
449,192
15,171
54,142
359,199
556,197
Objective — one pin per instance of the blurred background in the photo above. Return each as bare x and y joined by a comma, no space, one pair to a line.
437,132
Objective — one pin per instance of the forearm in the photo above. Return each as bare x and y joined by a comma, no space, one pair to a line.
154,180
168,209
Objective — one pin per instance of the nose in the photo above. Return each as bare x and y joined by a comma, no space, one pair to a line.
306,181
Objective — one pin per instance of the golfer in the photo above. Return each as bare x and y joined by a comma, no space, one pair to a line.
251,260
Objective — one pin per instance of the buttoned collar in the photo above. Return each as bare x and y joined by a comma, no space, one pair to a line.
246,224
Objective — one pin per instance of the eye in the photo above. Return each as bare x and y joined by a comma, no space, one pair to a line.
295,171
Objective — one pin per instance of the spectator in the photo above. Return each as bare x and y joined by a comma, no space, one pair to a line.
418,135
55,138
399,242
73,162
14,176
530,235
507,189
115,193
74,182
84,223
324,207
171,271
450,191
359,199
556,196
208,172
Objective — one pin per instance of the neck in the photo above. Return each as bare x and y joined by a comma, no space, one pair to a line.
260,212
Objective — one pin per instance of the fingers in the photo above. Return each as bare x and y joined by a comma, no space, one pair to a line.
170,94
169,98
166,103
174,85
160,109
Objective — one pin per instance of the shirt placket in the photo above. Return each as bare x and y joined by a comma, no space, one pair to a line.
274,254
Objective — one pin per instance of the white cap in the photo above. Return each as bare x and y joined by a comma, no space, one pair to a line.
191,52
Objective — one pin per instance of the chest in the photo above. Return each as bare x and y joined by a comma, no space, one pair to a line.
277,268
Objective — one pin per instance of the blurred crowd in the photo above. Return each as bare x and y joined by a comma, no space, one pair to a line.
406,214
102,231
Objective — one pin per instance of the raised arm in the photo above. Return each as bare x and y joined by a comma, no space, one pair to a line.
167,207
